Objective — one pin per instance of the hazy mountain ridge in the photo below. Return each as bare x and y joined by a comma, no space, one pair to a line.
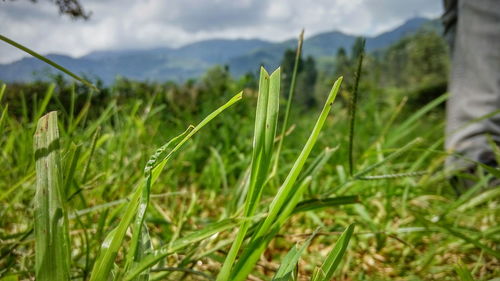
192,60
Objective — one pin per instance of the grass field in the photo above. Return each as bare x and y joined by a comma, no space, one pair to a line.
131,191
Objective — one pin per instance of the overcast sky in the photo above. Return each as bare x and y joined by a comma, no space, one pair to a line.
131,24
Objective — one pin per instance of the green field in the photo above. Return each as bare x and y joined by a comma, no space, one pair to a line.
150,181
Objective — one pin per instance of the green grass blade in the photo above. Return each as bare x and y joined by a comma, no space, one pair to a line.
292,201
457,233
390,157
45,101
152,171
143,249
111,245
95,137
48,61
102,267
244,266
159,166
289,263
327,269
318,163
152,259
281,196
470,240
4,110
2,91
264,133
52,248
3,116
257,246
463,273
394,176
492,194
71,163
272,112
316,204
289,101
405,128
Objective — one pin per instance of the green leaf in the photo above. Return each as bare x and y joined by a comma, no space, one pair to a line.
390,157
48,61
266,119
140,198
111,245
149,260
289,101
492,194
245,265
315,204
325,272
10,278
463,273
52,248
289,263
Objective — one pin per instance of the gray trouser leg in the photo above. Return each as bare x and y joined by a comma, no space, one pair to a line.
474,80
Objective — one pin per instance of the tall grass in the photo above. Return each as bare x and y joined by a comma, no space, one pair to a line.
52,246
104,210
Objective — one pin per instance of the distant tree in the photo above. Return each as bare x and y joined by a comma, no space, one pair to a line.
342,63
71,8
216,80
418,59
287,64
307,75
306,83
249,80
357,48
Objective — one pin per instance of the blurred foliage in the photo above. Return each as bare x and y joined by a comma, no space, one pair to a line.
407,226
417,66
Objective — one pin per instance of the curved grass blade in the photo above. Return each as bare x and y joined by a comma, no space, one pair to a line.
315,204
455,232
394,176
325,272
52,252
463,273
287,267
111,245
289,102
102,267
134,254
390,157
43,105
48,61
405,128
2,91
491,194
150,260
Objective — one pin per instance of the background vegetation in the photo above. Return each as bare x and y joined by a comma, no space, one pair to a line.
410,225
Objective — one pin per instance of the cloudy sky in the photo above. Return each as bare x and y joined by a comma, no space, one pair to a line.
132,24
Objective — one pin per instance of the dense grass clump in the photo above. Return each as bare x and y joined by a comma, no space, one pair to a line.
166,187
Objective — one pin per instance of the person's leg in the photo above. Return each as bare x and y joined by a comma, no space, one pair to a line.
449,20
474,83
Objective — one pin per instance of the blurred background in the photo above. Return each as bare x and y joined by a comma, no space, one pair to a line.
162,65
179,41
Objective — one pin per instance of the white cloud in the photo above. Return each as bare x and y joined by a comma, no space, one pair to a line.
129,24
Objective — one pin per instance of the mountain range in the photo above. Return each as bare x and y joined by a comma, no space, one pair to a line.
192,60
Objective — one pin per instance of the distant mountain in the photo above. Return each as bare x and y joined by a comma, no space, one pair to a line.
192,60
326,44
